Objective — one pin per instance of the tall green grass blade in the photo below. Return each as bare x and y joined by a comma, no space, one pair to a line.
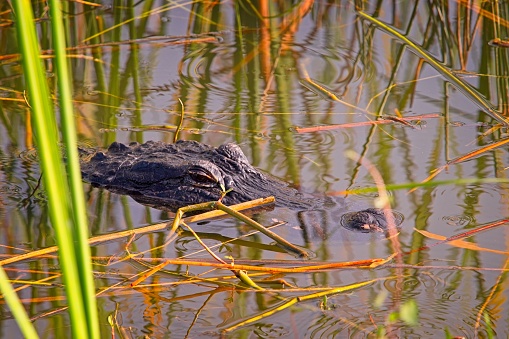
46,135
17,309
79,214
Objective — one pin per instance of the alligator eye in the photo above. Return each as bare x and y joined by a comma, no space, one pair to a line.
201,176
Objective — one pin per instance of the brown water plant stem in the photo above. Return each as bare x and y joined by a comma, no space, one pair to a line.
462,235
465,157
220,206
383,121
367,263
142,230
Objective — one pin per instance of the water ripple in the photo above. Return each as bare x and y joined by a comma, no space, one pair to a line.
439,297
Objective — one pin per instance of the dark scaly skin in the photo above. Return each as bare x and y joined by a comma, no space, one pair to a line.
170,176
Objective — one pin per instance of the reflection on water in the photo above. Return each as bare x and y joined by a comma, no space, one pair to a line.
254,75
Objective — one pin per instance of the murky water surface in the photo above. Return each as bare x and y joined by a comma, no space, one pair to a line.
264,78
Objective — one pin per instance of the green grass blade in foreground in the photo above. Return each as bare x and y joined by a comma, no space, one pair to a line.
444,71
79,214
16,307
50,160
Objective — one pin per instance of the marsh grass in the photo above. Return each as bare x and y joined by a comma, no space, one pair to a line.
65,198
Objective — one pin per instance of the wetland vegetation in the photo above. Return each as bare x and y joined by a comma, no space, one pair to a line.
400,104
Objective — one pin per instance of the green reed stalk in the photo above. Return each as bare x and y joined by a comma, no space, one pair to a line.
79,214
16,307
65,217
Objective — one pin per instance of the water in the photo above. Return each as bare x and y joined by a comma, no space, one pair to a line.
255,82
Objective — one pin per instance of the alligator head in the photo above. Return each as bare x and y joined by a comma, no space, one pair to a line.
171,176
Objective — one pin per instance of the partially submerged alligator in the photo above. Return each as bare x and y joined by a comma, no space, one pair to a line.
170,176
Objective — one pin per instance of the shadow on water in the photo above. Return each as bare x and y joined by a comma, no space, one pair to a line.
409,86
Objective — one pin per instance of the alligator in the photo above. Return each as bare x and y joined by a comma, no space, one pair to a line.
171,176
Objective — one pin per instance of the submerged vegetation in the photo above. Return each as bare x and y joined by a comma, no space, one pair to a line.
394,104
